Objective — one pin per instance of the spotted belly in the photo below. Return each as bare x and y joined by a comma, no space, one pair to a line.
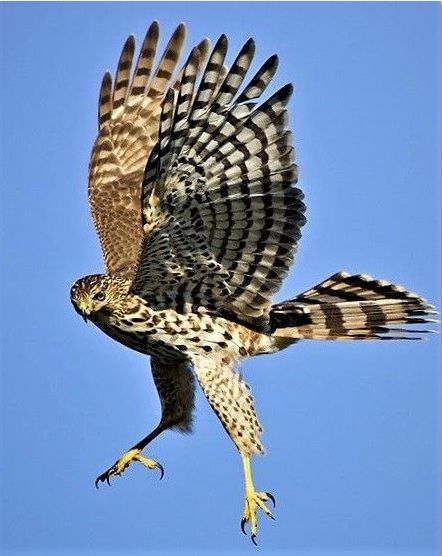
144,341
171,335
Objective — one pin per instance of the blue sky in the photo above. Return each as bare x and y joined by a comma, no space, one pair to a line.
351,430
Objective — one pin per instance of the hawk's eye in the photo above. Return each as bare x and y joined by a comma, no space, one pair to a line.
99,296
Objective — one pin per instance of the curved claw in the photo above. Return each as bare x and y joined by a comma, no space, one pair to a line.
161,470
272,499
253,539
101,479
243,525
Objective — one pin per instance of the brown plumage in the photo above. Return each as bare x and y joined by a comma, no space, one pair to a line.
191,188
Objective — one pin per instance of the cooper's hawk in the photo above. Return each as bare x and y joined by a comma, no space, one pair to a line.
191,188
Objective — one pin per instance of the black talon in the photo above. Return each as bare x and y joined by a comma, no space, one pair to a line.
101,479
161,468
272,498
243,525
272,517
253,539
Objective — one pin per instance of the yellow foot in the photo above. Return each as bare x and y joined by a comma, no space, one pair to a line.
120,465
253,501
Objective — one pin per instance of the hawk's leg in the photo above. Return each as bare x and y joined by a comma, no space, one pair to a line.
230,398
175,385
252,501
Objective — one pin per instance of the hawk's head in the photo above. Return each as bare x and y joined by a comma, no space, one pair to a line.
96,293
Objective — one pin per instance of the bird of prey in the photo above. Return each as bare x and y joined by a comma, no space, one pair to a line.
192,192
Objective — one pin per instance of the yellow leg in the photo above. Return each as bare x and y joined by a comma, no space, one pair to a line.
252,501
121,464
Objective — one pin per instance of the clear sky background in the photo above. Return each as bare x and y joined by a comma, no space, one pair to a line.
351,430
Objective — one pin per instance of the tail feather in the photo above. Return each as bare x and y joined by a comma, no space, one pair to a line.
351,307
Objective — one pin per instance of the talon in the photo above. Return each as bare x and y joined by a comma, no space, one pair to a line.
254,501
271,498
161,469
123,463
243,525
102,478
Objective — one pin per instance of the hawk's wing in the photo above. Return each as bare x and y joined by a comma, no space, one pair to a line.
129,112
220,216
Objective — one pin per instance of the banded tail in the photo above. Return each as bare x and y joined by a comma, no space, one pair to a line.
350,307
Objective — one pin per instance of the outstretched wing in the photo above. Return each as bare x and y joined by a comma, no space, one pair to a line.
128,118
220,216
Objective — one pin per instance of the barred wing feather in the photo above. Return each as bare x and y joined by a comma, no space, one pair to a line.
128,115
220,214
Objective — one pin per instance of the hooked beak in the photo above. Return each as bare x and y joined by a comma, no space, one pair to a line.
83,309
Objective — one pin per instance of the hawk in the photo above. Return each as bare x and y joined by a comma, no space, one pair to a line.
192,192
